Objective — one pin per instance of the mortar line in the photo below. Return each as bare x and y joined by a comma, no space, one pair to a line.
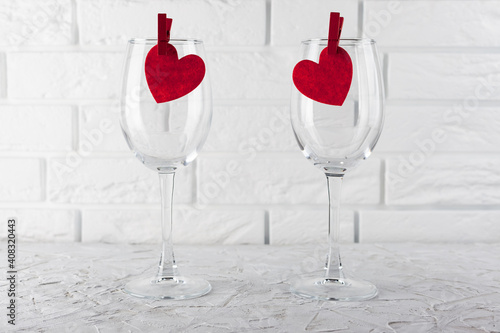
76,130
78,226
267,228
120,48
43,179
74,24
3,79
382,181
385,73
194,186
268,23
356,227
360,18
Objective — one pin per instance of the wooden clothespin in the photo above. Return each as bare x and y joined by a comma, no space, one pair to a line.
336,23
164,25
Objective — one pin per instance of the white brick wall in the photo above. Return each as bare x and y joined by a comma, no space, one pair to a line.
433,177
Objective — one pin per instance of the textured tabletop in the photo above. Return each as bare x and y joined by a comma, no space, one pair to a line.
422,288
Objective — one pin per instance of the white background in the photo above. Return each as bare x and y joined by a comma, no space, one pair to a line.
434,176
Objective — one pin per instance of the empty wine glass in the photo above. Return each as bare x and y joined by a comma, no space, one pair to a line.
335,139
164,137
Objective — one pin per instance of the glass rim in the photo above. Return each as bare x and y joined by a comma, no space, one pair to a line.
344,41
173,40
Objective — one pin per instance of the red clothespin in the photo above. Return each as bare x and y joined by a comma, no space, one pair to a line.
164,25
334,32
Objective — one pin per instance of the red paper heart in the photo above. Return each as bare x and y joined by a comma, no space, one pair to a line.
327,82
169,77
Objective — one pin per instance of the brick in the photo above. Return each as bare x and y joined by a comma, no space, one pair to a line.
251,75
103,119
21,180
429,226
190,226
215,22
433,23
34,22
468,77
413,128
42,225
110,180
260,179
294,21
72,75
415,179
261,128
40,128
292,226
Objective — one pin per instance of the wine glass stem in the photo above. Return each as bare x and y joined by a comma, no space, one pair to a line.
167,268
333,262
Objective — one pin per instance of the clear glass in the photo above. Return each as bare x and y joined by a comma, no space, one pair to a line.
164,137
336,139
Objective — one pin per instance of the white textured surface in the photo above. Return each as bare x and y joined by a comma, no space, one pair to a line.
422,288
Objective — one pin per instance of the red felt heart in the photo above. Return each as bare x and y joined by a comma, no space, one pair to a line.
327,82
169,77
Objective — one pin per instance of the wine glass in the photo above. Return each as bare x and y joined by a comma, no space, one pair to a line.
164,137
335,139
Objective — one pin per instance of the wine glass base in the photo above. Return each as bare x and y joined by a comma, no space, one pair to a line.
333,289
179,287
